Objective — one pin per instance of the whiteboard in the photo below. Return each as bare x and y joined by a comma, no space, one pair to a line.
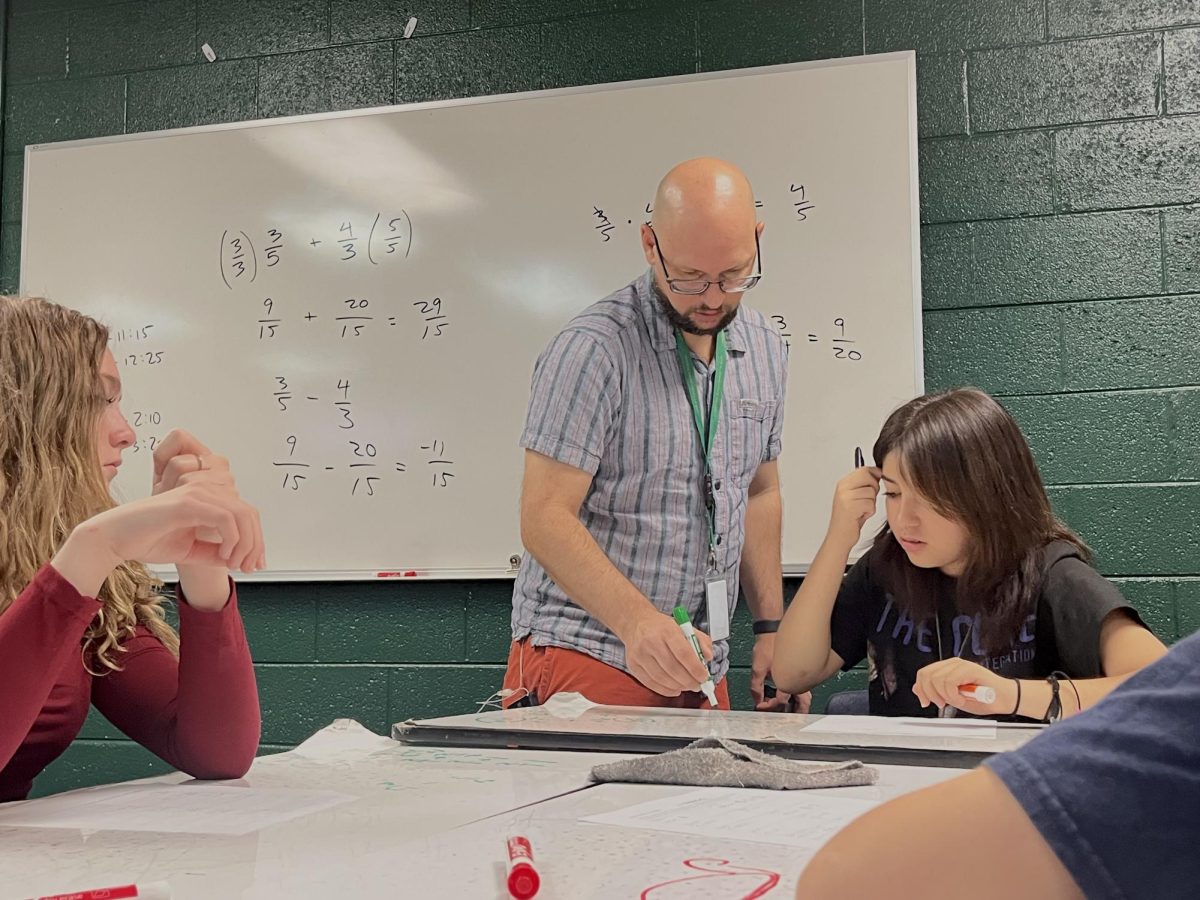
349,306
956,742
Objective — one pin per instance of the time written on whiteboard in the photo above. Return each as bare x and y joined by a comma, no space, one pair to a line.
134,346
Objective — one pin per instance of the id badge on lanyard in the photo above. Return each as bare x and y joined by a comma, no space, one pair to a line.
716,582
716,593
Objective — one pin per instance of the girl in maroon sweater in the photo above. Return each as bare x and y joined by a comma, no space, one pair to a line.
81,618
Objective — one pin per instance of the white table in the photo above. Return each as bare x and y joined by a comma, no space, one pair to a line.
585,861
423,822
401,793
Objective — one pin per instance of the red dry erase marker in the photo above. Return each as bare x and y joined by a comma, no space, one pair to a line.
159,890
523,879
409,574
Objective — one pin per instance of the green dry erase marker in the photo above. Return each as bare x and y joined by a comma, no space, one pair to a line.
706,687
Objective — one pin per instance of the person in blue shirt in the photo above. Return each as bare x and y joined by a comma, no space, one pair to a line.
1103,805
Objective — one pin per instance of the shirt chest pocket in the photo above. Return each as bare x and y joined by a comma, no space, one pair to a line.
751,422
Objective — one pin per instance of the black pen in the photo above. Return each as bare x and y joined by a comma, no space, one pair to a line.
859,462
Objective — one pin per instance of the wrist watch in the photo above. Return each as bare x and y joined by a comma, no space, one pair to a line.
766,626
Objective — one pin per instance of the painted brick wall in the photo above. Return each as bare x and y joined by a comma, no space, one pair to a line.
1060,167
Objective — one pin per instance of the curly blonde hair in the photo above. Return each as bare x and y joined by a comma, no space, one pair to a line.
51,398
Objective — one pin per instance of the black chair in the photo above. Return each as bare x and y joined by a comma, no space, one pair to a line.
848,703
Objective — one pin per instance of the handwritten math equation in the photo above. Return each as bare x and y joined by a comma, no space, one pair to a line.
604,225
349,318
245,256
841,346
359,458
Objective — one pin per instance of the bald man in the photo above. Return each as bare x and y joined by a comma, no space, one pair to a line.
651,474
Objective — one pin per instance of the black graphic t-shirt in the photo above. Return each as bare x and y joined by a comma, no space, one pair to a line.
1061,634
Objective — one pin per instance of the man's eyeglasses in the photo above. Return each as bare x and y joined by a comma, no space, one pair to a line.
699,286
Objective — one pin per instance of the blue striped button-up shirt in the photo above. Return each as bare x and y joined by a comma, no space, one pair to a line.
608,398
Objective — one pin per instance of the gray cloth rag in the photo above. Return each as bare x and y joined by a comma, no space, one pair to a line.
720,762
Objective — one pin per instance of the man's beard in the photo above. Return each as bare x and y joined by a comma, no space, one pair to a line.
684,323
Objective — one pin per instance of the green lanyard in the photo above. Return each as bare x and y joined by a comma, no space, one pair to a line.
706,426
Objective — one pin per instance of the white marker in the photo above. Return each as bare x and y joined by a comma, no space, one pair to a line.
410,27
208,52
977,692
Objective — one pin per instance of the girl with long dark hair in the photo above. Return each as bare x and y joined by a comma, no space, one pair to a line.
973,581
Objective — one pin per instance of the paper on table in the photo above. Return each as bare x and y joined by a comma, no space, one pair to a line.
904,726
568,705
793,818
342,739
180,808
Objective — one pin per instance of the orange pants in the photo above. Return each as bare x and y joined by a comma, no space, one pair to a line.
551,670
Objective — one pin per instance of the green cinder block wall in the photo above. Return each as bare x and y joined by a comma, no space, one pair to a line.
1060,169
